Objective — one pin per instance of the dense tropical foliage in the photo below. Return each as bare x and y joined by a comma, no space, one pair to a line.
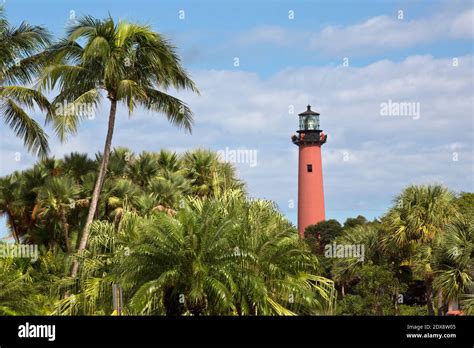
176,232
418,258
178,235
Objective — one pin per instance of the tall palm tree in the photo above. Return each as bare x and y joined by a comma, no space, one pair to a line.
20,61
126,62
418,218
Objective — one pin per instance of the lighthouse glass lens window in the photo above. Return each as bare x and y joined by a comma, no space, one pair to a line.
311,123
310,168
302,123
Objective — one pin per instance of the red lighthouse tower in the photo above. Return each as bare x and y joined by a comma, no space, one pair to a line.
310,138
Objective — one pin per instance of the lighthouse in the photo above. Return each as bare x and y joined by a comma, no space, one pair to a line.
309,140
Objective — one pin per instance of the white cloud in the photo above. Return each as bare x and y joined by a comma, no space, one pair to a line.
376,34
267,34
463,25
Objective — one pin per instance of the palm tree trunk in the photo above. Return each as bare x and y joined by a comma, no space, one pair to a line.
440,303
429,296
98,185
453,305
397,312
378,309
13,224
66,229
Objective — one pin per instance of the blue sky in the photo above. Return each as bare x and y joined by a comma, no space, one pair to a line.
345,58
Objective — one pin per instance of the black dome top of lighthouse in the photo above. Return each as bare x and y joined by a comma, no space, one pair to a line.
309,112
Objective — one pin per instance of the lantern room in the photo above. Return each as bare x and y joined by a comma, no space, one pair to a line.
309,120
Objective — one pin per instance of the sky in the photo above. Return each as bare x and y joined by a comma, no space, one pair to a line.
258,64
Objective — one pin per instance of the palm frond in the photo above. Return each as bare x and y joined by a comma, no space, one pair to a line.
34,138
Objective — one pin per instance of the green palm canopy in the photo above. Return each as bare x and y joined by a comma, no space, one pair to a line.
20,61
127,63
